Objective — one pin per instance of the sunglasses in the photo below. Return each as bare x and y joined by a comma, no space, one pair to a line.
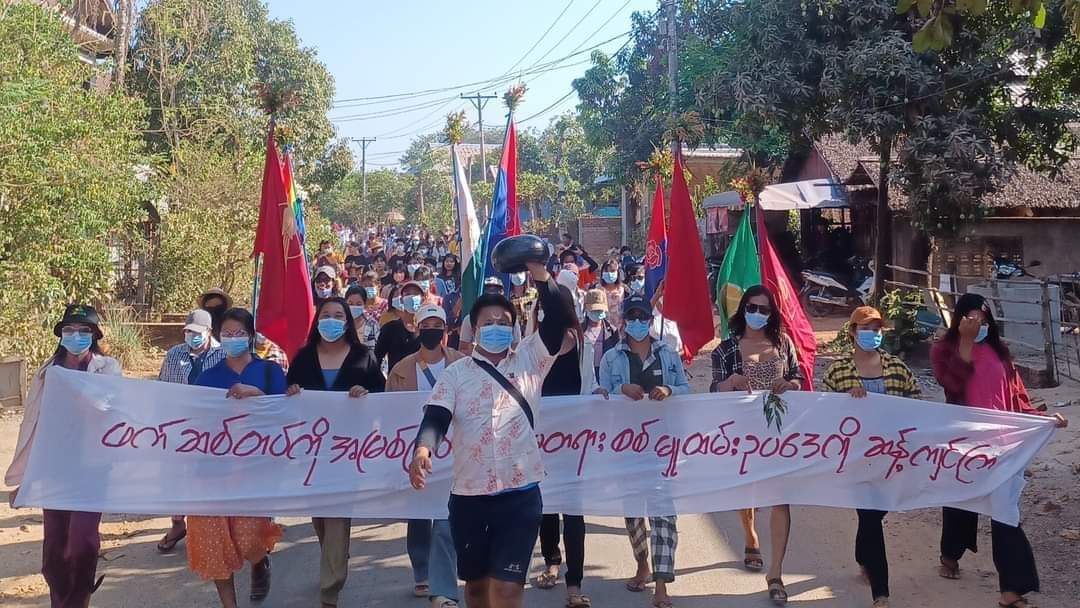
758,309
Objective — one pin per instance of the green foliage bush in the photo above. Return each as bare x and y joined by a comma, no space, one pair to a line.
68,190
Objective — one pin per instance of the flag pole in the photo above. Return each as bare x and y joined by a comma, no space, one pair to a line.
258,268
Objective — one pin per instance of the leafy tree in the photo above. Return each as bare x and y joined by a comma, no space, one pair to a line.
624,101
200,69
938,24
68,187
946,126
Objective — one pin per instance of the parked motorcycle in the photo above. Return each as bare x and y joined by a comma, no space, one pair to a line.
1005,269
824,292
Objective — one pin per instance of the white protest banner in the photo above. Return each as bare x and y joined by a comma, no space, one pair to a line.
132,446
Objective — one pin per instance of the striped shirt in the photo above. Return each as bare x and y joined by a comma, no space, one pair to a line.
842,376
182,367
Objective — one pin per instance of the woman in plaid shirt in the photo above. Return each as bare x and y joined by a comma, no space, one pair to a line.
759,356
868,369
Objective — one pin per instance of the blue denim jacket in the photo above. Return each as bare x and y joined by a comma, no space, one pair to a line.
615,368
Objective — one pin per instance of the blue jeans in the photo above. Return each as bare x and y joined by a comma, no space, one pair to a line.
431,552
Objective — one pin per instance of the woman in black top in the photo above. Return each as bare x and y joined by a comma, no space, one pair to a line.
399,338
565,379
334,359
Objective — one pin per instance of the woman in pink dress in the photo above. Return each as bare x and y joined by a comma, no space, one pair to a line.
975,368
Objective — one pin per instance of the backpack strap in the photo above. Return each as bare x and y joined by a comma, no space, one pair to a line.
510,388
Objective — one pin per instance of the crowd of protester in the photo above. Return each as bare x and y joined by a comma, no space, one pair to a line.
388,317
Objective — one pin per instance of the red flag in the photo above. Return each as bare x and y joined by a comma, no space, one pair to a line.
686,288
796,325
509,165
285,308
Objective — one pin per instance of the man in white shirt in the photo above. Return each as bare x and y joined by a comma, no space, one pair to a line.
492,397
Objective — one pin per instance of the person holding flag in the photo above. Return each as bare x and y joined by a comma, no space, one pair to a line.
759,357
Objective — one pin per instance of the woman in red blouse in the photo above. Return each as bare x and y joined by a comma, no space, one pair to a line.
974,366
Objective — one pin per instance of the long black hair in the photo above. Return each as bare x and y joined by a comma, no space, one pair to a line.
773,329
453,274
314,337
971,302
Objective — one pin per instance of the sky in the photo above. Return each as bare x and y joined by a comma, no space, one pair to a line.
378,49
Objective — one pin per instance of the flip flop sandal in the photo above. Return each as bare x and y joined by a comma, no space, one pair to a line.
578,601
547,580
949,569
663,604
1020,603
752,560
421,590
166,544
636,585
448,604
777,592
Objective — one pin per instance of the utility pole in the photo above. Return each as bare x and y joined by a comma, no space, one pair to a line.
479,101
673,66
363,141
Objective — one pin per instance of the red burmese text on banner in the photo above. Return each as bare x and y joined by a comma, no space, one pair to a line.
285,307
797,326
686,289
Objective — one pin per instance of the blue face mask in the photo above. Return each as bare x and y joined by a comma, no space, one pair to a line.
356,311
194,341
235,346
597,315
609,277
756,320
637,284
637,329
411,303
412,268
396,303
518,278
331,330
868,339
425,285
495,338
984,331
77,344
371,292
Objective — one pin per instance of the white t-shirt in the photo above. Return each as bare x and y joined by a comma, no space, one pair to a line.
436,369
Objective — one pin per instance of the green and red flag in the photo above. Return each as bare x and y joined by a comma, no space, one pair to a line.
740,271
796,325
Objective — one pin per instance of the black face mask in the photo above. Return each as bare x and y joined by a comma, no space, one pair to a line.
430,338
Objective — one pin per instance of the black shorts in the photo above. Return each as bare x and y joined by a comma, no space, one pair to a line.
495,535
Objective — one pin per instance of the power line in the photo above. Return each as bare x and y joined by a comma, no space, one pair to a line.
602,26
480,83
567,34
542,36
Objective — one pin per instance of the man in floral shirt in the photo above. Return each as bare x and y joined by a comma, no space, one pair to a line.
492,397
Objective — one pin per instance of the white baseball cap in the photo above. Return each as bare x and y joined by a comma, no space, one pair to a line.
428,311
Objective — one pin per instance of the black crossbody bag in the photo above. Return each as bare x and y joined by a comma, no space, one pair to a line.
510,388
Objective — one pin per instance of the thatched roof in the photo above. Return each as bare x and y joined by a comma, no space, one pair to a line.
857,165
